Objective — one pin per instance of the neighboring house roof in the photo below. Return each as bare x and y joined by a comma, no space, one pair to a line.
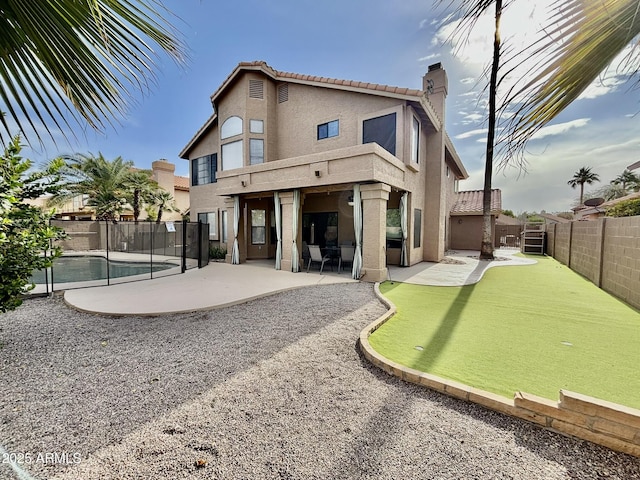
181,183
633,166
602,208
418,98
549,218
470,202
507,220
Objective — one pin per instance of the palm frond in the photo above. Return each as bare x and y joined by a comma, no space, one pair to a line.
75,61
584,37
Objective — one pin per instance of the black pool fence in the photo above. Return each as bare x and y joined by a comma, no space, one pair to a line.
104,253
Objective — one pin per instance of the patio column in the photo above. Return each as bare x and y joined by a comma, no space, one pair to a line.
374,231
286,200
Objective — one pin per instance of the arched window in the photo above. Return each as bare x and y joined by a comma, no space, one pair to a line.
232,126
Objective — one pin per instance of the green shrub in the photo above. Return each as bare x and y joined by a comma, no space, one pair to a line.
218,253
24,229
628,208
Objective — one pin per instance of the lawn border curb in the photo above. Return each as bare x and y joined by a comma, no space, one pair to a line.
575,415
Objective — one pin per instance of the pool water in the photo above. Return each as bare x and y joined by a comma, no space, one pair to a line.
84,268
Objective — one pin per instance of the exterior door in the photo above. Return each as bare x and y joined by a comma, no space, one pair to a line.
259,231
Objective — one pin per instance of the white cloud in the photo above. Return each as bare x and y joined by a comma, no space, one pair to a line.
560,128
471,133
601,87
429,57
467,80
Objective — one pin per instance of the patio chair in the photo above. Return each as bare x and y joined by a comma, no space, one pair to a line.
316,256
346,256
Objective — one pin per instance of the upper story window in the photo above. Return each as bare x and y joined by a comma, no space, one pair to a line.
232,126
256,126
256,151
415,141
328,130
203,169
232,155
381,130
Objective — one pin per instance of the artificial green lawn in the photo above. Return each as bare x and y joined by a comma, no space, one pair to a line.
508,333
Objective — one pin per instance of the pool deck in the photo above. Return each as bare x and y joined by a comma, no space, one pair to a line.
213,286
222,284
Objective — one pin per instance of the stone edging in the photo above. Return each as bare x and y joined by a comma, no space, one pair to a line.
605,423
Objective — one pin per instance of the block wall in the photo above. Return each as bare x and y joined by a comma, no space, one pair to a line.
606,251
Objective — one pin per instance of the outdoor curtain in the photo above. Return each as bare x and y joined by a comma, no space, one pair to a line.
404,261
357,225
295,264
276,201
235,252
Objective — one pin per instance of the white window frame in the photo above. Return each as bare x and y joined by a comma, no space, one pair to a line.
211,218
256,126
415,140
230,148
231,127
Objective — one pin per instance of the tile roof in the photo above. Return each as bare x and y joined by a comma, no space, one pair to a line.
288,76
181,183
470,202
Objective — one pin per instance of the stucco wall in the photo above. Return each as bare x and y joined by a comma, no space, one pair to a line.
290,132
466,232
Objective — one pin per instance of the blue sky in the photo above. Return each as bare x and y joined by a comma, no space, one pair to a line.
379,41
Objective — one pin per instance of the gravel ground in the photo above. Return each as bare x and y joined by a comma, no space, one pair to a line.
274,388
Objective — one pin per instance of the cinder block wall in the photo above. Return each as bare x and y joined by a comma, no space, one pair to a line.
586,249
606,251
81,236
621,259
563,233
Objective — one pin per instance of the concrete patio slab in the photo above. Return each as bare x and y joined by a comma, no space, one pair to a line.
214,286
463,268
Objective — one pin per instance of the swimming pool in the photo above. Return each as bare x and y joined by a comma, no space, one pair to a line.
84,268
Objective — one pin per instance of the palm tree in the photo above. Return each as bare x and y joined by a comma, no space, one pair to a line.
164,201
582,40
141,190
470,12
79,57
627,178
582,176
104,182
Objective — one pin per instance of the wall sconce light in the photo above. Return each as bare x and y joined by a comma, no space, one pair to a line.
459,221
318,173
350,201
244,184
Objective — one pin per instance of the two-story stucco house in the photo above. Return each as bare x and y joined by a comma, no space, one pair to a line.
290,160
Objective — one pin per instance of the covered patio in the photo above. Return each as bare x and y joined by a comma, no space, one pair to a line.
340,198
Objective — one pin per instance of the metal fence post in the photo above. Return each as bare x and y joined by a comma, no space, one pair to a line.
106,223
199,244
151,234
184,245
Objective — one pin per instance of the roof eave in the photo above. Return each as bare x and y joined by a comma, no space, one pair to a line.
462,172
184,153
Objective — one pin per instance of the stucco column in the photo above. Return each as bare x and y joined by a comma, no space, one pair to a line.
374,231
286,200
228,203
